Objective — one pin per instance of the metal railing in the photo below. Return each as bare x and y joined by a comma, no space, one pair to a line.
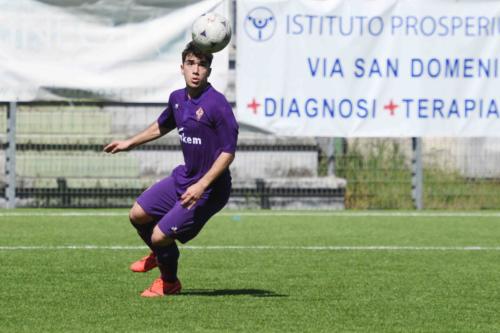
53,158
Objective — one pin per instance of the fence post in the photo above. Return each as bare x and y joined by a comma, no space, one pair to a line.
10,156
330,157
417,175
262,192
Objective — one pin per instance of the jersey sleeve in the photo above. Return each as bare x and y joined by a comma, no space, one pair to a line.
166,118
226,128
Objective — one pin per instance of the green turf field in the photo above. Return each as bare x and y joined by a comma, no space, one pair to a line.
67,271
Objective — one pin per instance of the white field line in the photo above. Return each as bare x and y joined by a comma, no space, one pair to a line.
258,248
268,213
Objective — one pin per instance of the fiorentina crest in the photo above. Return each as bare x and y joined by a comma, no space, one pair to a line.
199,113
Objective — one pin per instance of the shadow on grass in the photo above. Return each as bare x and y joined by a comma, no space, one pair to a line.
230,292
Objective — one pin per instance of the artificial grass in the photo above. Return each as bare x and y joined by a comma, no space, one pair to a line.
286,286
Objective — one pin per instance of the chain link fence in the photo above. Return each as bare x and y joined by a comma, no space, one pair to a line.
59,162
458,173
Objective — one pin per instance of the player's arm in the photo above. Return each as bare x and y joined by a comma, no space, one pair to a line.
154,131
226,128
194,192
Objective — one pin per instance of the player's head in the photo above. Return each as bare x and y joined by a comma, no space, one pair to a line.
195,66
191,48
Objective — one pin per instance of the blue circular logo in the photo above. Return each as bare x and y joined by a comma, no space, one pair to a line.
260,24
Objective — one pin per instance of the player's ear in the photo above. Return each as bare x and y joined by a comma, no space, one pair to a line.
209,71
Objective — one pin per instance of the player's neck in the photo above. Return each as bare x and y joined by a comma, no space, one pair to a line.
196,92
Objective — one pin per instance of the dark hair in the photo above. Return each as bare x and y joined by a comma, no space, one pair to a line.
191,48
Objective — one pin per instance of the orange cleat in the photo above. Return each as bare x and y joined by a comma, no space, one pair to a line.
145,264
162,288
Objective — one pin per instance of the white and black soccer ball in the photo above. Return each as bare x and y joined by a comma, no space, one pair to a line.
211,32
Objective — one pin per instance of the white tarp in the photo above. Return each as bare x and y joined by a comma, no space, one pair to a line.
369,68
51,53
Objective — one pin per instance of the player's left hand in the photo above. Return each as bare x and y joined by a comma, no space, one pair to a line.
192,195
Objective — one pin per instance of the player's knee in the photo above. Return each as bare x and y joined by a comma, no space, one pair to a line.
158,238
137,215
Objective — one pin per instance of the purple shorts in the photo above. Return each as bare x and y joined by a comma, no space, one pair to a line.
162,202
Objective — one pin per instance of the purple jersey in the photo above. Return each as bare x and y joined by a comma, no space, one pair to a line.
206,127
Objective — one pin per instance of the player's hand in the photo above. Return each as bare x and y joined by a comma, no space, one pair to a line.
192,195
117,146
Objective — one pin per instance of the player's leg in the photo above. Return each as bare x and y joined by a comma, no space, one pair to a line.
144,225
150,206
180,224
167,256
183,224
142,222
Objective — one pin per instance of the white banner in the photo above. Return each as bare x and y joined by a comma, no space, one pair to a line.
369,68
51,53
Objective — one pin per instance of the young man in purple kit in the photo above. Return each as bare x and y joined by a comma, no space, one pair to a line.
177,207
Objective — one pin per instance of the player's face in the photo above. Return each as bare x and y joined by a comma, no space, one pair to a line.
196,71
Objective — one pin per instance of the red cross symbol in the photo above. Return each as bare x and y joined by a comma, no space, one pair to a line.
254,106
391,107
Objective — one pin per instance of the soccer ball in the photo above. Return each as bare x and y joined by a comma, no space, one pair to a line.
211,32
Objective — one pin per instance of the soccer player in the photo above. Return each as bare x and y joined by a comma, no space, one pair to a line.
177,207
